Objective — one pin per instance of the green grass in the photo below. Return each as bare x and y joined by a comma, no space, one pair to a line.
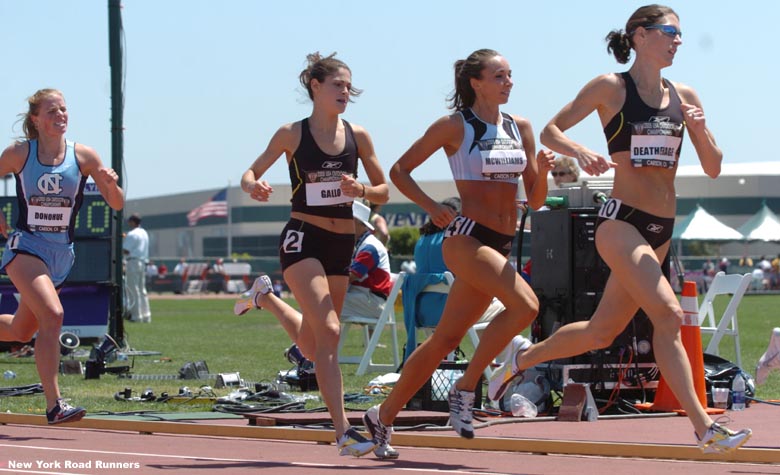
206,329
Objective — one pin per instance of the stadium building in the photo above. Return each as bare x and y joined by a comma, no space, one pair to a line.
253,228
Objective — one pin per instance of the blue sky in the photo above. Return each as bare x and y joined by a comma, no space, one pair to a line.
208,83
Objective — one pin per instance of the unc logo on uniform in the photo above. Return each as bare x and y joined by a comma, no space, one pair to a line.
49,183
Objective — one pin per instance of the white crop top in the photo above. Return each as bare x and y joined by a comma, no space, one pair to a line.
488,152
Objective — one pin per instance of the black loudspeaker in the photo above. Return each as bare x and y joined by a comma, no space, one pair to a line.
101,354
68,342
568,276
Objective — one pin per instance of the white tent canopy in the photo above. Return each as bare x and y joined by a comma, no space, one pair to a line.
702,226
763,226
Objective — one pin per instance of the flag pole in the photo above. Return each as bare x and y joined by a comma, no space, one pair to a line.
229,223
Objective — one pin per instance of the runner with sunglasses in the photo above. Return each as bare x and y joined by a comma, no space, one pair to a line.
644,117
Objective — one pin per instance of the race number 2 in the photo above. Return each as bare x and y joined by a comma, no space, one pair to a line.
293,242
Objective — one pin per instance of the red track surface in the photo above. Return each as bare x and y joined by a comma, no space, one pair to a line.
57,450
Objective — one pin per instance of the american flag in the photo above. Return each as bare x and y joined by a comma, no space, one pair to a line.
216,206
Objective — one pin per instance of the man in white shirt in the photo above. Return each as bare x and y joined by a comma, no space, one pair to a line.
136,250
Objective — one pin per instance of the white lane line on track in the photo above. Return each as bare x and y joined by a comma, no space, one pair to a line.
216,459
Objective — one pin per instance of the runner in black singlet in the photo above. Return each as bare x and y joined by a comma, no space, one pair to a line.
316,246
644,116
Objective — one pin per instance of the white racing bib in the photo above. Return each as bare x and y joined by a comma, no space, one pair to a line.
49,214
502,158
609,210
323,188
293,242
655,143
461,225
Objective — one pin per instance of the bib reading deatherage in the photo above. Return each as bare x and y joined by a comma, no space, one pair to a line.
655,143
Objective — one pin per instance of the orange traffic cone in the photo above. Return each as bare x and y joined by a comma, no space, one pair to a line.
664,400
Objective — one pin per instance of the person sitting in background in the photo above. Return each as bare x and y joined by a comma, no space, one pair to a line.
565,171
759,281
707,274
428,259
764,264
162,271
370,282
180,267
724,264
766,267
219,275
278,288
151,270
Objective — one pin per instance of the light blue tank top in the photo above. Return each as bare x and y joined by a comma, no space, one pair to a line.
489,152
50,196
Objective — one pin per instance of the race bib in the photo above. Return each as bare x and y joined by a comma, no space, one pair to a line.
49,213
502,158
323,188
655,143
13,241
461,225
609,210
293,242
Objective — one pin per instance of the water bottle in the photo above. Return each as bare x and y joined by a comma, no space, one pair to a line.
522,407
738,393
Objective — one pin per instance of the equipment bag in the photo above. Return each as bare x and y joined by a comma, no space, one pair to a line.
720,372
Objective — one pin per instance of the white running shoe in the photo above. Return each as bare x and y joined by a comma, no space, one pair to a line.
504,374
354,444
248,300
720,440
380,433
461,415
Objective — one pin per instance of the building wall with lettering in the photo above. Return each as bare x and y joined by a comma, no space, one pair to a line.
733,198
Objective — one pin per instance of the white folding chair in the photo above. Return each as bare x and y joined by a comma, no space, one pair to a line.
493,309
484,321
372,331
733,285
194,277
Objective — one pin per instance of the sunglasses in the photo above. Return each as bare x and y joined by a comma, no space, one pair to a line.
669,30
559,173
